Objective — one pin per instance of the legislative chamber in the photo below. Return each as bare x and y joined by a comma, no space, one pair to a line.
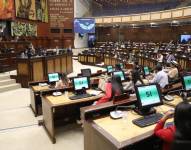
95,74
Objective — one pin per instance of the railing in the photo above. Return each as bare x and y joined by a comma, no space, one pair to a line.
173,14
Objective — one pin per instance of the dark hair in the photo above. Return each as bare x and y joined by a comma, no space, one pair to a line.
116,85
158,67
182,120
64,78
136,76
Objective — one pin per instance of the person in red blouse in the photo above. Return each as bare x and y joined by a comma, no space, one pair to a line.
112,88
181,129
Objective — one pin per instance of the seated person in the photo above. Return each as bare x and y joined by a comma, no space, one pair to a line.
136,66
181,129
173,72
135,79
63,82
160,77
160,58
112,88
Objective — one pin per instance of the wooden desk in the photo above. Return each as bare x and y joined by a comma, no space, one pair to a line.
36,104
37,68
176,101
108,134
53,106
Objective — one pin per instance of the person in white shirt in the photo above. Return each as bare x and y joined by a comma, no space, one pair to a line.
160,77
160,58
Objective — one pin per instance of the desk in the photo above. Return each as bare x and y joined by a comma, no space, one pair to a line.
108,134
36,99
36,90
176,101
37,68
53,106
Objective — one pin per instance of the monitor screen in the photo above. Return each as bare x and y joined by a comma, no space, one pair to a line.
81,83
120,73
86,72
84,25
53,77
185,38
109,69
187,83
146,71
121,65
148,95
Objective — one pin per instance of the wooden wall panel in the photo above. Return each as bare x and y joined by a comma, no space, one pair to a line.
22,69
57,65
161,34
63,64
50,66
69,64
38,71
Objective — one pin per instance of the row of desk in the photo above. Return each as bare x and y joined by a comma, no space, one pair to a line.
61,110
102,132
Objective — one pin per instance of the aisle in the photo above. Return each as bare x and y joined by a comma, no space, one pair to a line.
19,129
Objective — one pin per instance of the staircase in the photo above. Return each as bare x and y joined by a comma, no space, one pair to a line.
7,84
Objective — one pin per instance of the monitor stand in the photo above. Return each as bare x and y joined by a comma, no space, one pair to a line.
145,111
51,85
80,92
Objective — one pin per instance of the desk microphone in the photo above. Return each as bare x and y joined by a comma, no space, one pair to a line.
117,114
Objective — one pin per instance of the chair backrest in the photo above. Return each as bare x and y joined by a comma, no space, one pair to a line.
120,98
181,145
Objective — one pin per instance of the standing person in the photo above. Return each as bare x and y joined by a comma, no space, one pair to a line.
112,88
181,129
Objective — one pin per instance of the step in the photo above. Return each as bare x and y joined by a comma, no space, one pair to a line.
9,87
4,77
7,82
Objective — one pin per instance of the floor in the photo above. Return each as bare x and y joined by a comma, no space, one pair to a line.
19,128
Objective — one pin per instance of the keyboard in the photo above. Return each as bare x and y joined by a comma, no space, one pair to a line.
75,97
147,120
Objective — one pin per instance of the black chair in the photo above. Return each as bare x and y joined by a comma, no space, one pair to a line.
181,145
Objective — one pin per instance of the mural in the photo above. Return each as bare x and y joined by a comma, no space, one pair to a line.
25,9
6,9
23,29
42,10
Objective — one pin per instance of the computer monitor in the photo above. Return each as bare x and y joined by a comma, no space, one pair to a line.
109,69
86,72
146,71
148,96
81,83
122,65
186,81
119,73
53,77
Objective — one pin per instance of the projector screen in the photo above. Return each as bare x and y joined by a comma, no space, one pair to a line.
84,25
185,38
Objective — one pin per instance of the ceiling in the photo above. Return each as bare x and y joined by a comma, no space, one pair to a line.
130,2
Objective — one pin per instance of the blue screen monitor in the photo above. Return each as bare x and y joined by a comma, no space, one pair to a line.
122,66
84,25
146,70
53,77
187,83
148,95
109,69
81,83
119,73
185,38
